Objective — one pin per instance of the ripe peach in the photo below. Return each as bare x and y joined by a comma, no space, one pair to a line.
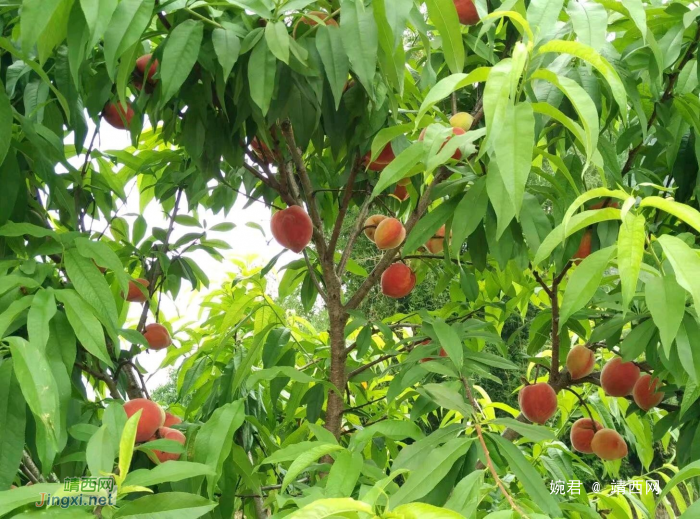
382,161
582,433
152,417
442,353
371,224
171,419
141,65
584,249
292,228
436,244
321,16
115,115
455,131
466,11
136,294
169,434
401,192
646,392
580,362
404,182
608,445
618,378
599,205
398,281
538,402
389,234
157,336
462,120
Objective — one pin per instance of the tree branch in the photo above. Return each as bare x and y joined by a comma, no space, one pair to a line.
104,377
489,463
389,256
344,205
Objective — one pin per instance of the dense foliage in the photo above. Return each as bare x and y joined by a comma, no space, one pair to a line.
533,162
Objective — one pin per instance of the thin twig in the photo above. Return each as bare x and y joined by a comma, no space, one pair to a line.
104,377
489,463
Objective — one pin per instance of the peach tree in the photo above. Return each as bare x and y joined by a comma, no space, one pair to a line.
534,162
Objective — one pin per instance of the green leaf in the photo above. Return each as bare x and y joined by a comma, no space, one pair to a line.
466,495
278,40
180,56
227,46
100,452
90,283
446,397
167,505
394,429
685,262
469,213
578,222
449,340
5,123
324,508
42,310
689,471
431,472
167,472
451,84
630,252
329,43
684,212
84,323
543,15
688,347
637,14
592,194
38,385
126,444
536,433
514,143
429,225
13,419
360,39
399,167
584,282
35,18
303,461
129,21
666,302
213,441
262,68
582,102
12,499
602,65
443,14
12,312
105,257
12,229
635,343
344,474
97,14
590,21
527,475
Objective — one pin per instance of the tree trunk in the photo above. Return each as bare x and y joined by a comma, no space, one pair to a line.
335,407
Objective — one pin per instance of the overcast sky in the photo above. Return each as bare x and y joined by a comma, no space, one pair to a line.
246,243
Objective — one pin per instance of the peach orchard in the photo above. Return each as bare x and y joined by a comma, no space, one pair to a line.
526,161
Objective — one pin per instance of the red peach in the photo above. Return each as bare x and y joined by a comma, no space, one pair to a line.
136,294
646,392
389,234
371,223
152,417
401,192
436,244
580,362
157,336
398,281
321,16
584,249
141,65
169,434
115,115
608,445
171,419
466,12
538,402
292,228
618,378
582,433
382,161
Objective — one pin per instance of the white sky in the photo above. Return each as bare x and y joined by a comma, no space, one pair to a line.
246,243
